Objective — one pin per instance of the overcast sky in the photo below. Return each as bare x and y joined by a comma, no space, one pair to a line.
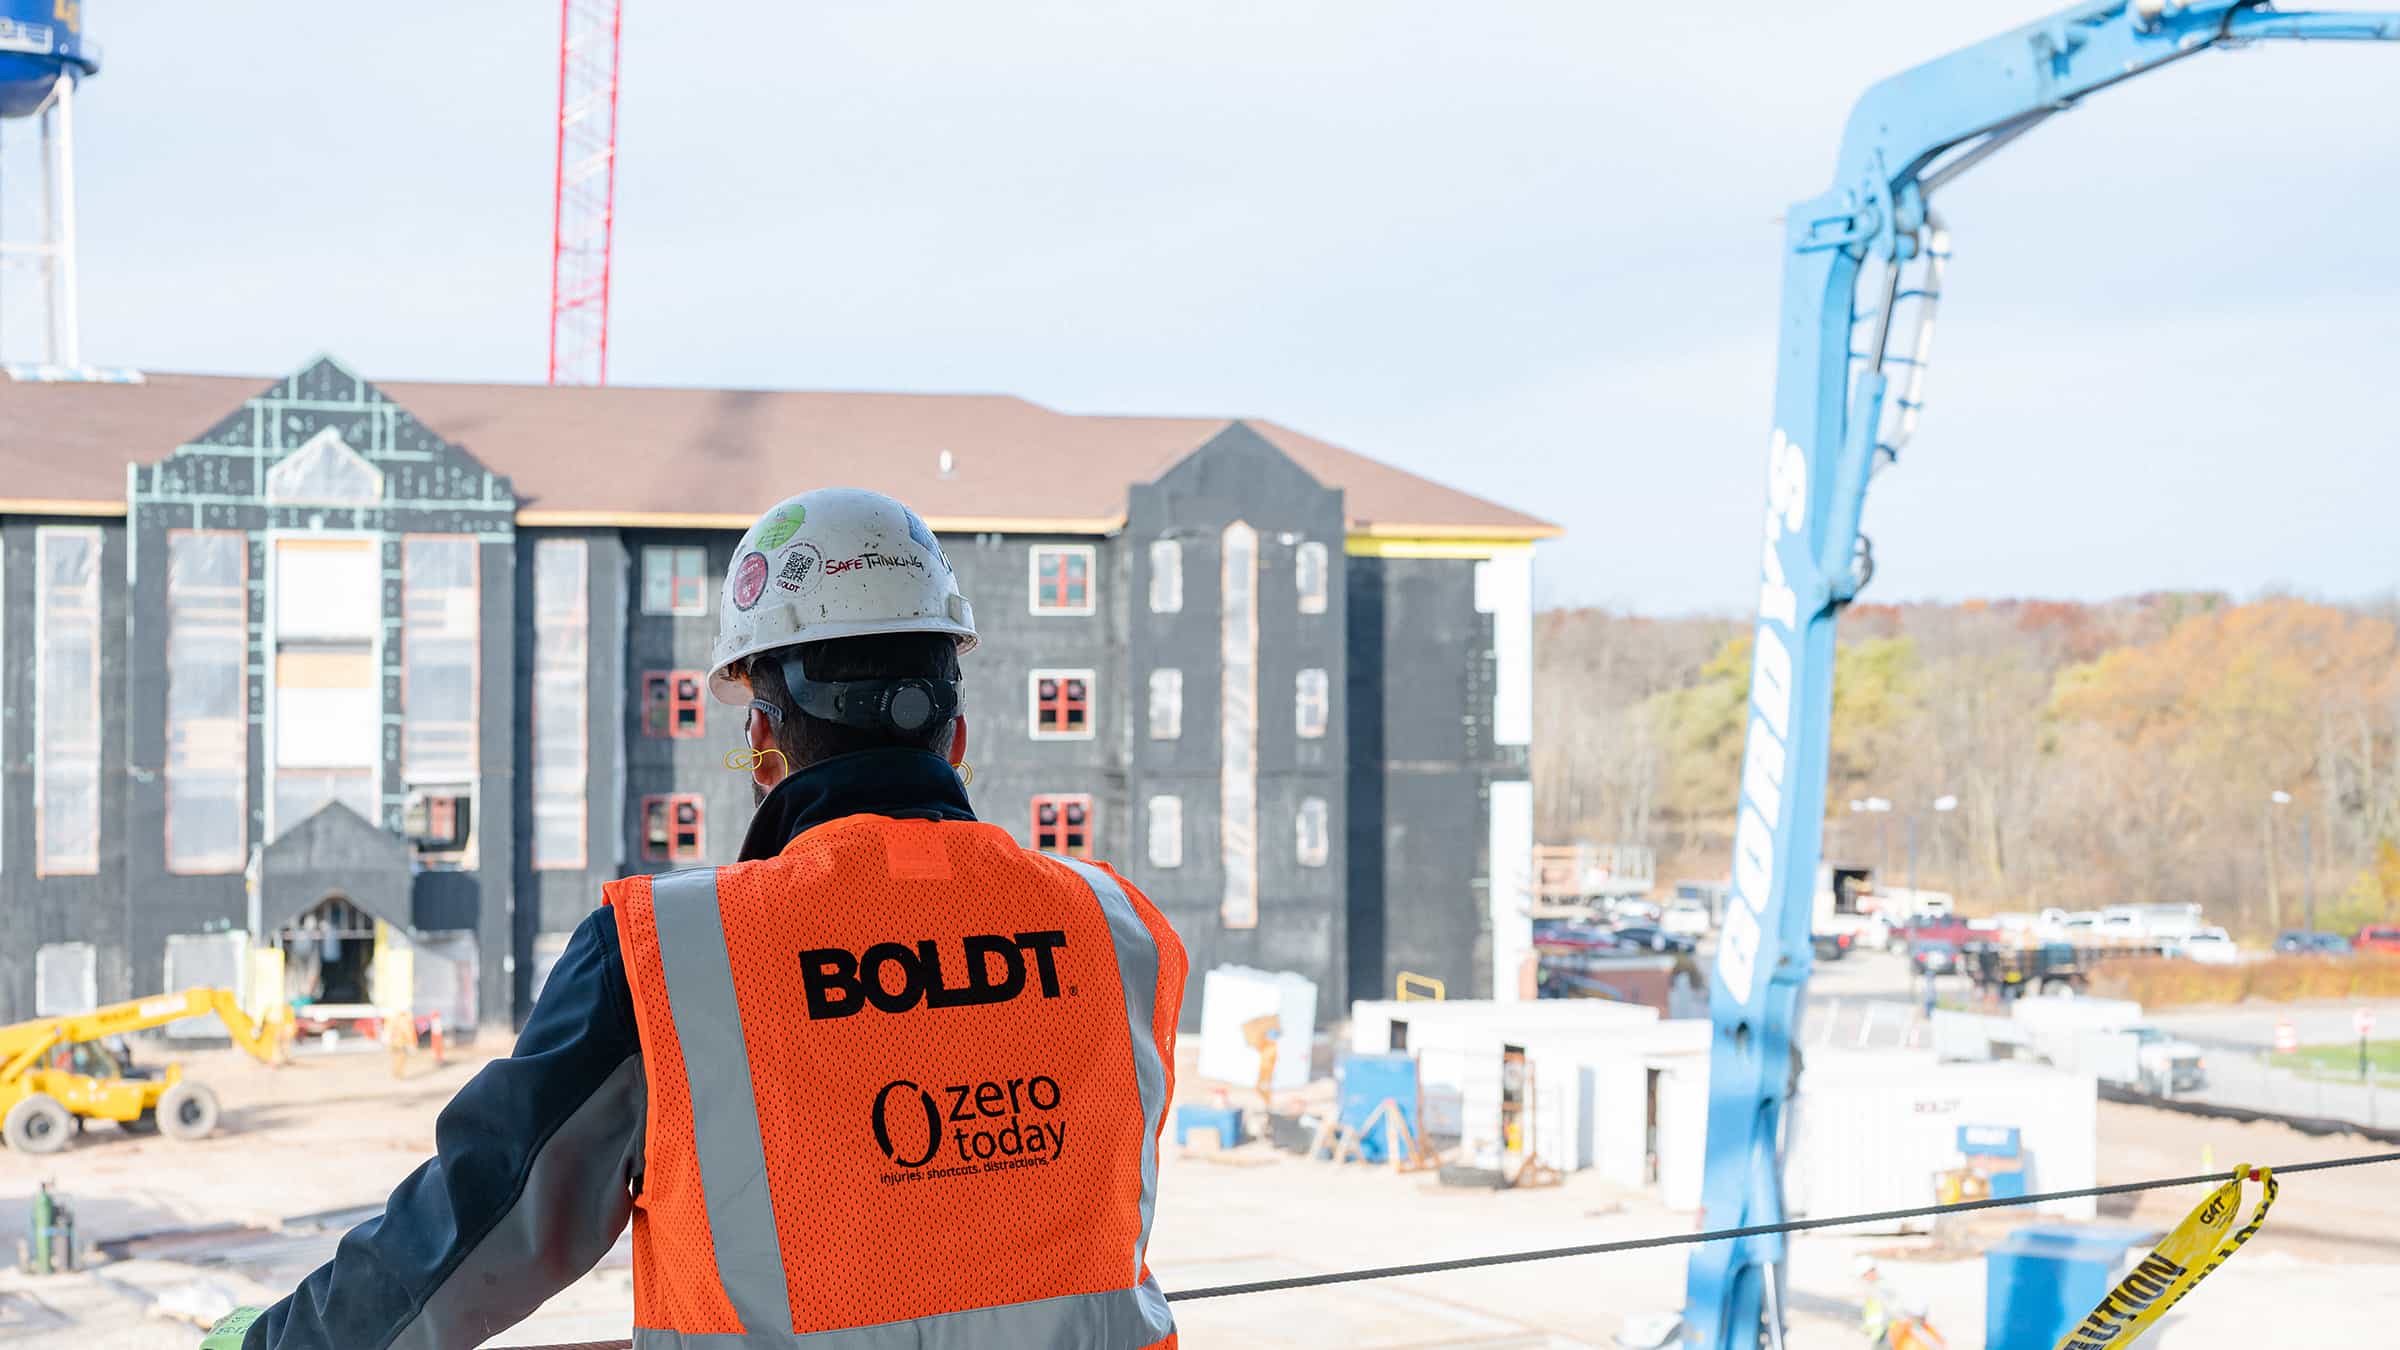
1527,249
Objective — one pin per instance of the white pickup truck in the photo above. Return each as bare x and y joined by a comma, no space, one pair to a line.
2105,1038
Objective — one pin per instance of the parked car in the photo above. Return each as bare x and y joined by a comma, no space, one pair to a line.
2378,937
1686,918
2300,942
1653,937
1832,946
2210,947
1573,935
1632,909
1933,956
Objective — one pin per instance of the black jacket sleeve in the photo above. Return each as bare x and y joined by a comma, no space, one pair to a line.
536,1160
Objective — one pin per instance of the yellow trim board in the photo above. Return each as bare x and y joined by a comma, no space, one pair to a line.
1513,534
1369,546
705,520
31,506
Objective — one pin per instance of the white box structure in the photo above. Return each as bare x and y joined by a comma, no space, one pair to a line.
1233,995
1874,1127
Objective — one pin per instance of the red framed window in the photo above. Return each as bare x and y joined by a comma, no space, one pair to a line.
1062,579
672,704
671,828
1062,703
1062,823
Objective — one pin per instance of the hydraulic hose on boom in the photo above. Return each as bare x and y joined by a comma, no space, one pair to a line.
1837,419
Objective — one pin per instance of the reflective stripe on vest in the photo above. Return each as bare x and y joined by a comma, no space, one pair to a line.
696,965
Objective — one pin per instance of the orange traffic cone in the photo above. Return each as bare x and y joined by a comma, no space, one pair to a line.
435,1034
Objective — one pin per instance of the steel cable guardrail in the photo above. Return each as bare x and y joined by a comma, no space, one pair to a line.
1694,1239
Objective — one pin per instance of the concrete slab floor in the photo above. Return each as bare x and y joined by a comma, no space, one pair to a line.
337,1131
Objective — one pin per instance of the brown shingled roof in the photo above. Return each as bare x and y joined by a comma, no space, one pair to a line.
709,456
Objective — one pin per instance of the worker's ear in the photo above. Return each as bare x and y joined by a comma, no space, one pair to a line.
958,740
769,768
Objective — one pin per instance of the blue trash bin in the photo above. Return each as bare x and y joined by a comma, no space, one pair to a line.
2043,1278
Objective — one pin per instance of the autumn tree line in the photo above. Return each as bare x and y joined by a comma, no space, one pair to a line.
2129,751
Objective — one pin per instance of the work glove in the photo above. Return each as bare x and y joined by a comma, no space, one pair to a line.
227,1334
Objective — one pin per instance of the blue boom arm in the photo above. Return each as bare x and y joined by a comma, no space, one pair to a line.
1836,419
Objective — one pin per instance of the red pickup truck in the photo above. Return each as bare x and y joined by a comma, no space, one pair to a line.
1948,928
2378,937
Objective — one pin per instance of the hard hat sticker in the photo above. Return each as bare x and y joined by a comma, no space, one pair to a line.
777,529
919,531
2197,1246
749,579
802,566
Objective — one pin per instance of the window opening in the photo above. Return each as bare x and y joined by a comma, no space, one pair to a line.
1312,696
561,707
1062,579
1166,704
1062,704
1166,831
208,715
673,705
1166,576
1237,777
439,614
1313,842
1310,568
671,828
328,702
67,701
1062,824
674,579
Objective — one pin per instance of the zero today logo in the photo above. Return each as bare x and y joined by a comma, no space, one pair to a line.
988,1126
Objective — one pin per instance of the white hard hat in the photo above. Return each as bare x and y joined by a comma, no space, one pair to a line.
833,563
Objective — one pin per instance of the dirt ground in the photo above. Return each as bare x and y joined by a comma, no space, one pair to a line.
336,1132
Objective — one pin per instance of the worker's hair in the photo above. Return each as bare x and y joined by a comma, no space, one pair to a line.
807,740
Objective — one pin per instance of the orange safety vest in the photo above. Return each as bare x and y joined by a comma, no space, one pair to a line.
906,1083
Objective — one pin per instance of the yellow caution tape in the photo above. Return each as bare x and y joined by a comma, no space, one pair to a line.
2197,1247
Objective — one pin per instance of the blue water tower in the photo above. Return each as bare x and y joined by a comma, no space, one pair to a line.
43,56
41,42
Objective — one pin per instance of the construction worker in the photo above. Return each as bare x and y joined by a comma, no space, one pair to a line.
890,1075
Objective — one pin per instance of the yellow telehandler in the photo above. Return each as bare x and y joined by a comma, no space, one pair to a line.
56,1072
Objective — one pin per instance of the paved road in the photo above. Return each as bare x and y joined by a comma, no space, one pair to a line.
2252,1027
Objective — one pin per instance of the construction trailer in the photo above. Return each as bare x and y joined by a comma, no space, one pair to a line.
1878,1127
1586,1083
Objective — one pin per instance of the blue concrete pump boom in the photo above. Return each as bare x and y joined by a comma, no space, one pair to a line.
1846,400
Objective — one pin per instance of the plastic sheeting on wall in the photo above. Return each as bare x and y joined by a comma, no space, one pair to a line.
439,619
325,470
65,979
205,960
1511,885
561,753
208,710
1237,778
1504,590
67,701
445,968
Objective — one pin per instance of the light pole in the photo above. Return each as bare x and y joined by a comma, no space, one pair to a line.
2308,878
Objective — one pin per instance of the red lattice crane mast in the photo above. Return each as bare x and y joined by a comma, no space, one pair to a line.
583,213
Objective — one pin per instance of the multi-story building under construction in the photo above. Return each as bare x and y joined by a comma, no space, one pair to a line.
333,665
